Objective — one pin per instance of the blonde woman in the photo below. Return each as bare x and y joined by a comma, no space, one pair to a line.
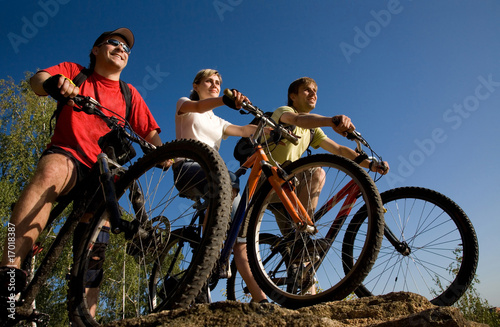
195,119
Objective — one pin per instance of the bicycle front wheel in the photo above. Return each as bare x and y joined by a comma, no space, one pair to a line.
430,247
311,271
134,275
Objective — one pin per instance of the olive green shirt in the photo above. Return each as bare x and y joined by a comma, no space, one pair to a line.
285,150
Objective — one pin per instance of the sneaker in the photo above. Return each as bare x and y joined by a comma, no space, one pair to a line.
12,281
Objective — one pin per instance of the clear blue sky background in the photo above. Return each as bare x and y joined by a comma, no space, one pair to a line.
419,79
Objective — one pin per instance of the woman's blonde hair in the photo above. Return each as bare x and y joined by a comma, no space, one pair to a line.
197,79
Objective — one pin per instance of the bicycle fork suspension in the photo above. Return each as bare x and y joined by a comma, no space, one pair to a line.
106,178
289,199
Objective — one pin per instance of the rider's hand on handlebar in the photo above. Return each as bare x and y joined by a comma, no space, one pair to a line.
236,101
61,88
268,130
380,167
342,125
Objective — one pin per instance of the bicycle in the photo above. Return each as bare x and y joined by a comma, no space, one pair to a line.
144,209
290,287
429,245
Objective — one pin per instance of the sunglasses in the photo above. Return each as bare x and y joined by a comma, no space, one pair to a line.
116,43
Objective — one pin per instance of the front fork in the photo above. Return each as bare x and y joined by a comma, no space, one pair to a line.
106,178
277,179
108,188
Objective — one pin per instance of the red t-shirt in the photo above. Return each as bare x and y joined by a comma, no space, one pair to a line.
78,132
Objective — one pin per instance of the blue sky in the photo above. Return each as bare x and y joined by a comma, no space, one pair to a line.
419,79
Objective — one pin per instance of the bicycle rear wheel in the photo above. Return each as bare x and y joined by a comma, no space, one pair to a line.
434,249
136,275
311,271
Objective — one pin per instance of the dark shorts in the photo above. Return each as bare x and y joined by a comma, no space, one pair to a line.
191,182
81,169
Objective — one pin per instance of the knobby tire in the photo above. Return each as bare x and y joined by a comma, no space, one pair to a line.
137,279
294,281
440,253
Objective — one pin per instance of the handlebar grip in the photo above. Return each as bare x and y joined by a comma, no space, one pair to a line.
87,104
284,132
229,93
379,164
288,135
354,135
350,135
293,140
50,86
229,100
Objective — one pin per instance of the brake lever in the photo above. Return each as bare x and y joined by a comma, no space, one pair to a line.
82,100
356,136
88,105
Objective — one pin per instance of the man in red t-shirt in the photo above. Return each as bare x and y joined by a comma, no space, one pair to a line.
74,145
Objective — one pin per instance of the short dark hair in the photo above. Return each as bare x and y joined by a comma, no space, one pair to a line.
294,87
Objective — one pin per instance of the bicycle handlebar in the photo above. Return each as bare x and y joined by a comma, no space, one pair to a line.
294,139
353,136
375,158
88,105
356,136
91,107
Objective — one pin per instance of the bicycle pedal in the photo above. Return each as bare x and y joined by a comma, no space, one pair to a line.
225,272
40,318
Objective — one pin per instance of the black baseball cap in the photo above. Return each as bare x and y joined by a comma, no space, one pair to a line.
124,32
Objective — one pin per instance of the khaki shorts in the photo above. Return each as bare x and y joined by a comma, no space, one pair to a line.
278,210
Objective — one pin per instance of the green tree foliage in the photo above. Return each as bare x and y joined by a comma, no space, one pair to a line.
475,308
24,131
472,306
24,134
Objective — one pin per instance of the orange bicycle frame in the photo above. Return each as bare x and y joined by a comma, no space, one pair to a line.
283,189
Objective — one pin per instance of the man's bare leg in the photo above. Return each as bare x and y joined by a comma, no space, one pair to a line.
241,260
55,175
309,194
92,297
